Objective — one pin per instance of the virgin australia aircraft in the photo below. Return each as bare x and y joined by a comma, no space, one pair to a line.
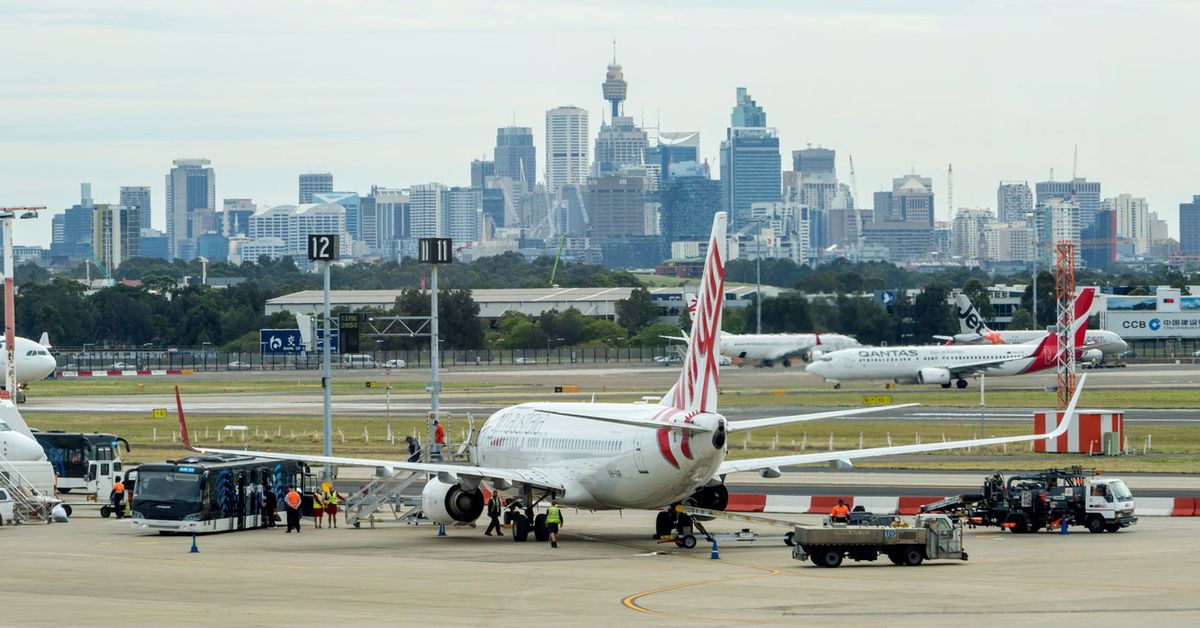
605,456
33,360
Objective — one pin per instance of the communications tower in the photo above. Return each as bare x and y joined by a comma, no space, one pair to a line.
614,85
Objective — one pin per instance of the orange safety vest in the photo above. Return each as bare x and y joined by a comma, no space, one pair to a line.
293,499
841,511
119,487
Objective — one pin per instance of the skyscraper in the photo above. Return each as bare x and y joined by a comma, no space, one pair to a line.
481,169
428,211
236,215
314,183
815,162
618,145
116,235
678,149
566,147
616,206
1132,220
516,156
968,235
1098,241
191,205
72,229
912,199
1013,201
352,202
1189,227
138,199
463,214
1083,193
750,160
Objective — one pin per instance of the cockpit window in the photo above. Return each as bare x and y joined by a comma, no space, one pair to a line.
4,427
827,358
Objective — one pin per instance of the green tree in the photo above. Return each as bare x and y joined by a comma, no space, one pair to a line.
931,314
1021,319
1047,303
637,311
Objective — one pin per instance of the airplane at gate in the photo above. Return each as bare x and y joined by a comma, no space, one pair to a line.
604,456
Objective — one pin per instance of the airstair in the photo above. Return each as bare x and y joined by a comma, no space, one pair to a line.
384,493
29,504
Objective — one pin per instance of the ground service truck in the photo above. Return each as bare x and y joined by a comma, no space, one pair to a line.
931,537
1044,500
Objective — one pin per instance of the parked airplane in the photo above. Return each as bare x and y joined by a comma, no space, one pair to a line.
611,455
949,364
34,361
974,331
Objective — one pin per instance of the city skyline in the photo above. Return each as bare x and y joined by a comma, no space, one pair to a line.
120,115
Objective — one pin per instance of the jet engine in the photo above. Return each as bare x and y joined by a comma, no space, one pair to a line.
450,503
712,497
1091,355
933,376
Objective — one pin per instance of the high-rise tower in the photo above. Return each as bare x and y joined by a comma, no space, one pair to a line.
614,85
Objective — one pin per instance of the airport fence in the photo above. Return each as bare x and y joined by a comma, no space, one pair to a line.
206,361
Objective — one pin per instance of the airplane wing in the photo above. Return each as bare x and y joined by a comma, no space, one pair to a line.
751,424
658,425
528,477
973,368
754,464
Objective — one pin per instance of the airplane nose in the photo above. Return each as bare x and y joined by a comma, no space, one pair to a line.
815,368
21,448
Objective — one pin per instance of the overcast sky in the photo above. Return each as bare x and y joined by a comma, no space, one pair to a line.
400,92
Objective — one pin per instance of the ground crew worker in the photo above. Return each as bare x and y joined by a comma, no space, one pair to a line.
554,520
117,497
439,440
494,508
841,513
414,449
332,499
318,507
292,501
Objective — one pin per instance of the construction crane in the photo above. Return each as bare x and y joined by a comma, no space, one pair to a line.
857,205
950,195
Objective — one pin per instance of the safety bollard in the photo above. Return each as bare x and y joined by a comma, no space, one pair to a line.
716,555
1063,529
441,529
195,550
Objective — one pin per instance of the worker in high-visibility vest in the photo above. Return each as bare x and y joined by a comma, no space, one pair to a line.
318,507
840,513
332,500
117,497
554,520
292,502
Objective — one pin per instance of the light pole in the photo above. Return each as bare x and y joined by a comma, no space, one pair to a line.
7,214
1036,246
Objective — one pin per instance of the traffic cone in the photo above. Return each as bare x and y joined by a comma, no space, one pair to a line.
441,529
715,555
195,550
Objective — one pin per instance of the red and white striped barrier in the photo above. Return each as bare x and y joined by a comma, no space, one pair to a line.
1084,434
138,373
823,504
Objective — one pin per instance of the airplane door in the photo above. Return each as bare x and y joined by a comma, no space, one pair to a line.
639,456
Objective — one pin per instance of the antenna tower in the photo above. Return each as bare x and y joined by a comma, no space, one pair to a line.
1064,288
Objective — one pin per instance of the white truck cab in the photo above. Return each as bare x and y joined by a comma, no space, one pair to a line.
1109,504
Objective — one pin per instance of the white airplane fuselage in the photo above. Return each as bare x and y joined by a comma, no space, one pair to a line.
904,364
604,465
34,361
1105,341
777,347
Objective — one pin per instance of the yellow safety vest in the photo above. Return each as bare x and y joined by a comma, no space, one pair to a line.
553,515
332,498
317,503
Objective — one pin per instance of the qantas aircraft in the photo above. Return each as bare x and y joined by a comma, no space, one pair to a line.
949,364
606,456
1097,343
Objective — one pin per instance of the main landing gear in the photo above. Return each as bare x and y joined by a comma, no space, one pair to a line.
960,383
525,522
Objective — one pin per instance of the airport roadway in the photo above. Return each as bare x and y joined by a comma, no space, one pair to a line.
606,572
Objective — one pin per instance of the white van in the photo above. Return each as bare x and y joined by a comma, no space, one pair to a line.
6,507
358,361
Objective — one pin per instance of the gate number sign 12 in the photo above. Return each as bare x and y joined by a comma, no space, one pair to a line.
322,247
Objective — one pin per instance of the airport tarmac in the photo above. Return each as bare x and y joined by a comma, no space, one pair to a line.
606,572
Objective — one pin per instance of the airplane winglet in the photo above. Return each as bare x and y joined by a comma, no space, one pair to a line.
183,431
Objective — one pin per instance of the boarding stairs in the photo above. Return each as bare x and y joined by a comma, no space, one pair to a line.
383,493
28,502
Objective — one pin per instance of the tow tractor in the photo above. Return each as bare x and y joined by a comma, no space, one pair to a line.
1044,500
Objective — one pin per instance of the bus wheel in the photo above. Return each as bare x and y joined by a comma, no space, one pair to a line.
105,511
64,491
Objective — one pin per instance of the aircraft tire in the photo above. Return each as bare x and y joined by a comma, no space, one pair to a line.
541,533
961,383
520,528
663,525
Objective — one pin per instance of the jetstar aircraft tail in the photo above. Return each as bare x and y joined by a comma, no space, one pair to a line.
969,320
696,390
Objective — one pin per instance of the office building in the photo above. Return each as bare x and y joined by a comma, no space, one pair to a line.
904,241
393,218
212,247
116,235
235,216
71,231
515,155
1055,221
1082,193
314,183
155,244
463,221
481,169
912,199
673,150
1098,241
191,205
352,202
815,162
566,147
293,223
619,145
1009,242
1189,227
570,219
1132,220
616,206
137,198
968,238
686,207
1014,200
428,211
751,169
780,231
